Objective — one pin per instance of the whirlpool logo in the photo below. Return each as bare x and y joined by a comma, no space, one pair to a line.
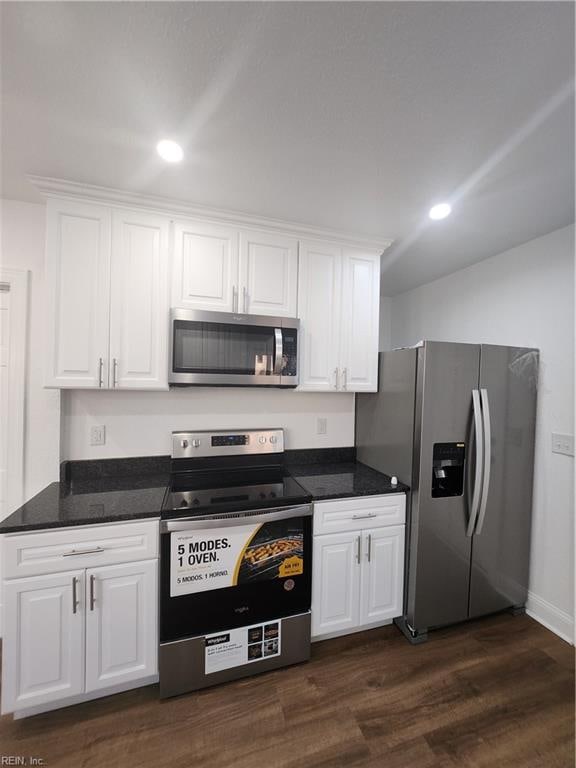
242,609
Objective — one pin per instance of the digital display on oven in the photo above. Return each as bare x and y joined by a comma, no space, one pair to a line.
219,440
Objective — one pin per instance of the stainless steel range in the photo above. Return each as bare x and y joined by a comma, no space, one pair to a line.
236,560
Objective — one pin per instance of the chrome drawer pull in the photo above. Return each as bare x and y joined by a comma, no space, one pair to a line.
363,517
83,551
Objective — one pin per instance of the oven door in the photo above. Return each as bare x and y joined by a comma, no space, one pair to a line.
229,571
225,349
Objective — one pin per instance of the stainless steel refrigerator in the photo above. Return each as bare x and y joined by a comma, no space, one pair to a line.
456,423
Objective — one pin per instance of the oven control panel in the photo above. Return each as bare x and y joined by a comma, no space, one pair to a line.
186,445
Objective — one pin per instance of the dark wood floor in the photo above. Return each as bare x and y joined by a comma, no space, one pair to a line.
494,693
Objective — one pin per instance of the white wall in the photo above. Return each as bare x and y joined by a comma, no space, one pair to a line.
140,423
22,247
523,297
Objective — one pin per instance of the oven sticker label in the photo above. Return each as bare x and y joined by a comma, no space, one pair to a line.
215,558
235,647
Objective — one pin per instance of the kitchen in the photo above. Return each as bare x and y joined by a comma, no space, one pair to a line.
205,385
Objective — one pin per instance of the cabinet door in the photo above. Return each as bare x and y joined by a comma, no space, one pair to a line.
121,624
335,583
319,285
205,267
78,294
43,646
360,321
139,316
382,574
268,274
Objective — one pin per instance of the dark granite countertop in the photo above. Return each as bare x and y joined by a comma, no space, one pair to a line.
107,500
343,479
111,490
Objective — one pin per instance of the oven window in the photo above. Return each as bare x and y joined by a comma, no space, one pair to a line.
220,348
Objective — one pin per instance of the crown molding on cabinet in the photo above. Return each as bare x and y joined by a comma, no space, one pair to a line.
63,188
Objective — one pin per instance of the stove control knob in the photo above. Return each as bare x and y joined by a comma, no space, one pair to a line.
262,439
184,443
196,443
196,501
262,495
272,495
273,439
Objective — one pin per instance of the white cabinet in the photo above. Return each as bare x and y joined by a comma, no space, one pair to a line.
319,292
205,266
121,636
382,573
357,579
107,297
335,583
360,321
268,281
224,269
71,636
78,293
338,299
139,301
43,644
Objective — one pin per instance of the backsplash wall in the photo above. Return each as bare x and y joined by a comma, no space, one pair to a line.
140,423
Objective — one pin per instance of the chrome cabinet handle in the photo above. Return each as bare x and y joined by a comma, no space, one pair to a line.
100,372
74,594
114,372
358,549
234,299
92,596
363,517
336,378
344,378
369,553
245,300
83,552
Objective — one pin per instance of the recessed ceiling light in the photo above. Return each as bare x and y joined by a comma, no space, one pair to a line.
440,211
170,151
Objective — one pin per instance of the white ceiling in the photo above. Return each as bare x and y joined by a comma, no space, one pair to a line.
352,116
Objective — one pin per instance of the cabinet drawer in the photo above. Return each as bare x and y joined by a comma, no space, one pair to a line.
360,513
30,554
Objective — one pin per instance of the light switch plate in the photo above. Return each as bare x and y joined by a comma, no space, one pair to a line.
98,435
563,444
322,425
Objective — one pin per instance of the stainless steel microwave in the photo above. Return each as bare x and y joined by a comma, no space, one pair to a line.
227,349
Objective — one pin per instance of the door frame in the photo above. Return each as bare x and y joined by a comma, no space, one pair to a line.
17,280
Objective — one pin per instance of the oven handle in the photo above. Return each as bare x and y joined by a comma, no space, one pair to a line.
220,521
279,352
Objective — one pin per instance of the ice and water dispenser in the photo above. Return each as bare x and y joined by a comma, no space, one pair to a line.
448,469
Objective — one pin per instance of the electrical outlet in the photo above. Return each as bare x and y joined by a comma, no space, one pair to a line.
563,444
98,435
321,425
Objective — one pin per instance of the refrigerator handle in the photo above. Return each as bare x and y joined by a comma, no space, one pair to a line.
479,445
487,459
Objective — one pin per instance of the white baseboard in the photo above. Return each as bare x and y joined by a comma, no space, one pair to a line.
553,618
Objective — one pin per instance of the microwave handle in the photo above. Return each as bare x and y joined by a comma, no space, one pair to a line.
279,351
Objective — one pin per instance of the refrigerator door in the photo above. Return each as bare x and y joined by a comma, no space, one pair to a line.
501,542
440,550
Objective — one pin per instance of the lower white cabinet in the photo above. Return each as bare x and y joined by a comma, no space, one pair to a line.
121,634
76,634
358,574
43,643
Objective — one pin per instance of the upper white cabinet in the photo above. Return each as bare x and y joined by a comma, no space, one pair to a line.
319,296
338,297
78,293
139,301
268,280
223,269
205,266
107,278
